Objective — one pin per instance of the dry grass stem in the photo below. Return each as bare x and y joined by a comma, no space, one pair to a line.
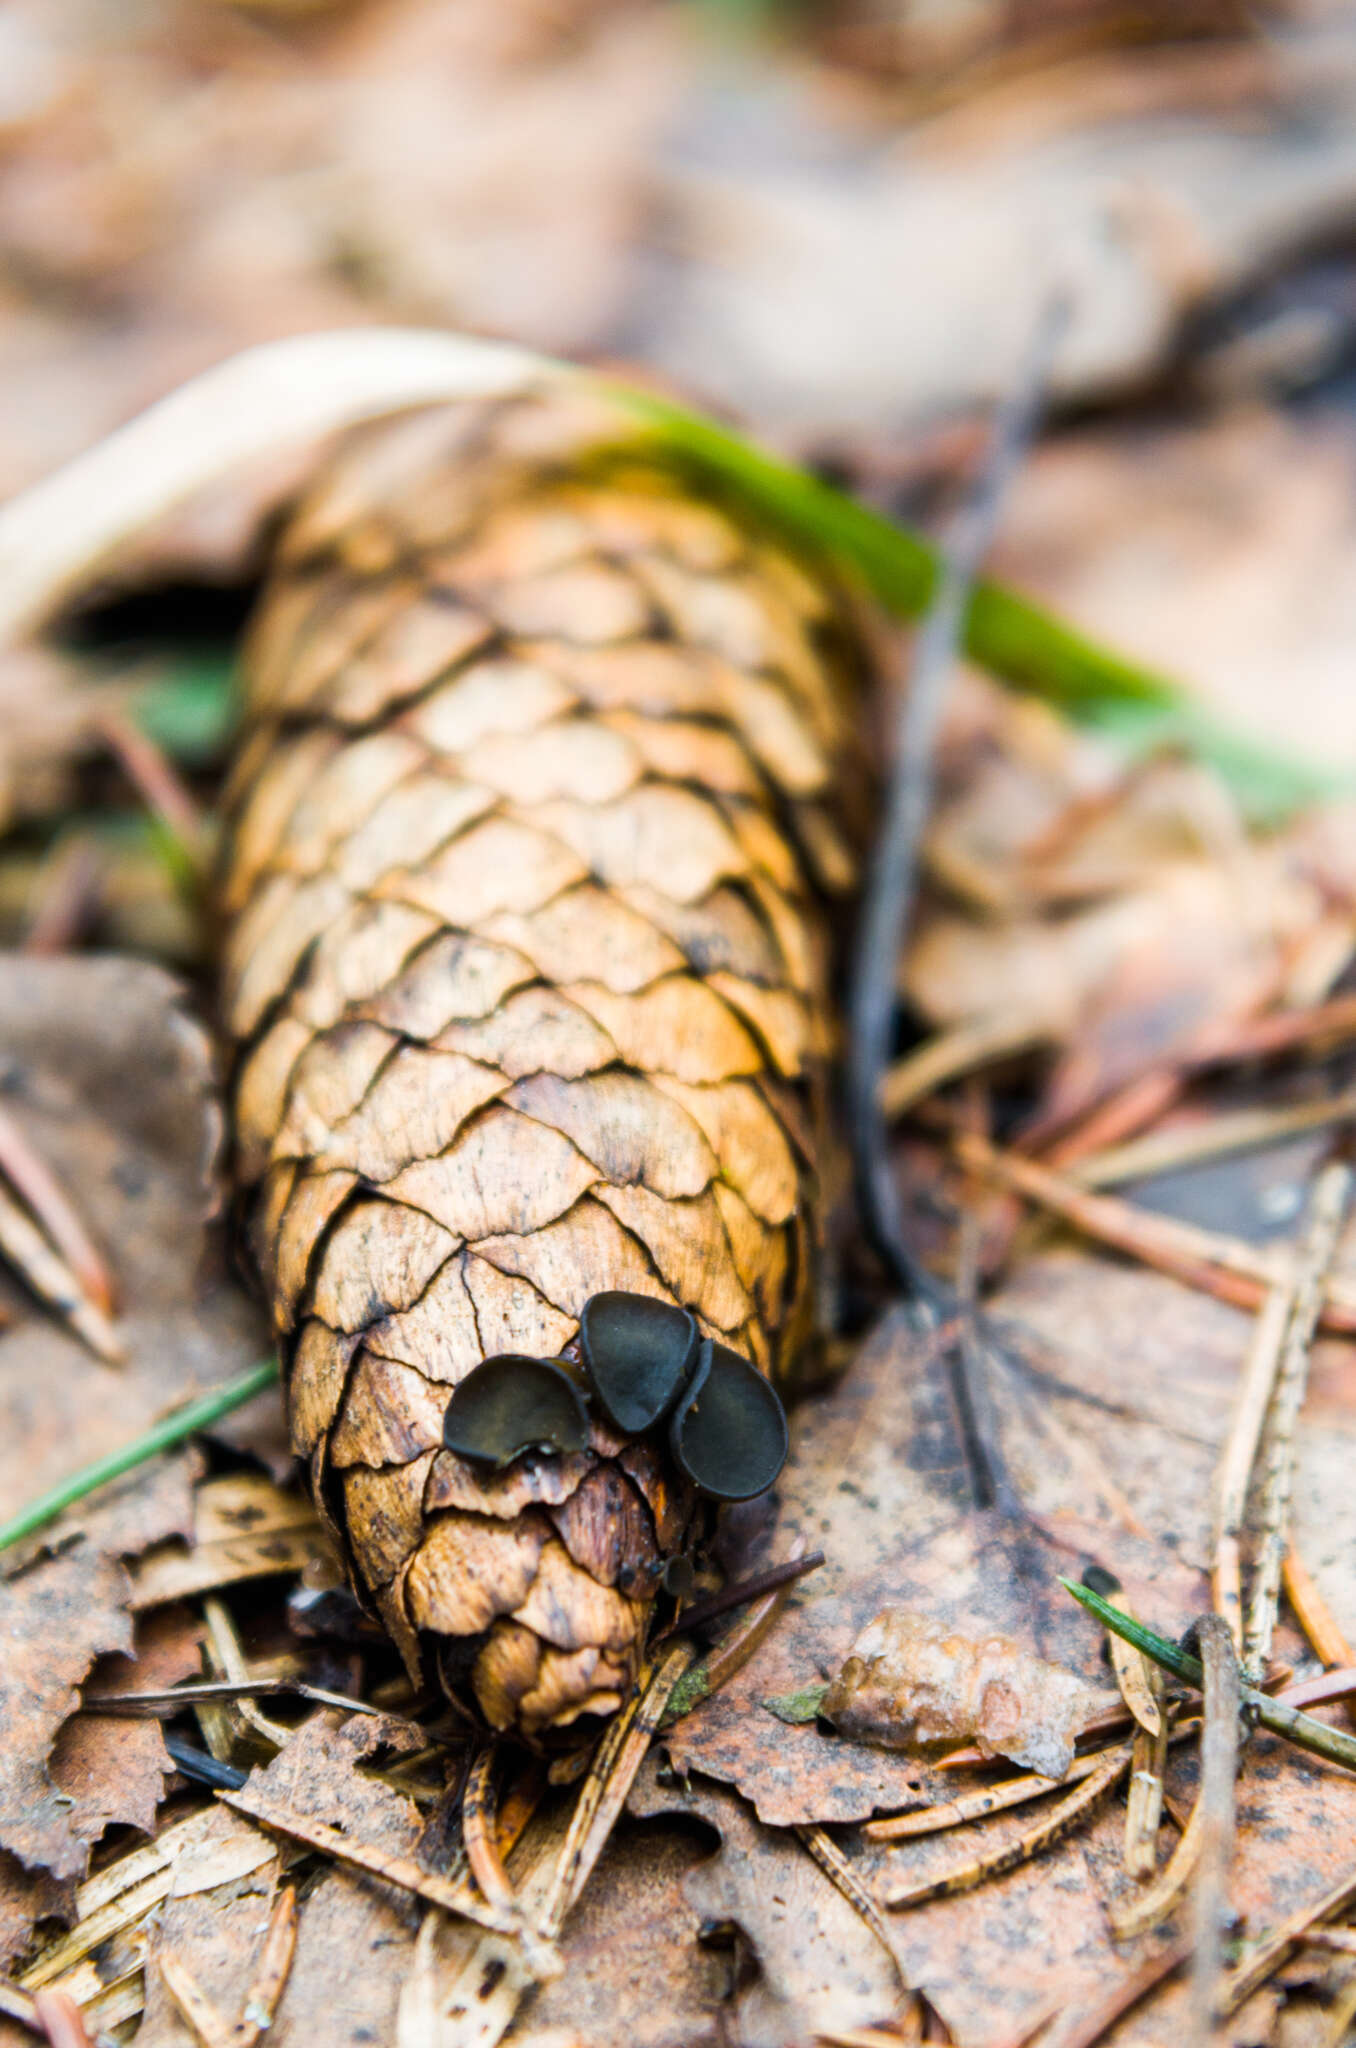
603,1793
1234,1476
1343,2014
1341,1940
1243,1130
1314,1616
1164,1895
23,1245
953,1054
1219,1774
54,535
1327,1212
17,2005
1069,1812
1227,1267
841,1875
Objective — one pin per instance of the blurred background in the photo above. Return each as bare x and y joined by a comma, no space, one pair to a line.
832,220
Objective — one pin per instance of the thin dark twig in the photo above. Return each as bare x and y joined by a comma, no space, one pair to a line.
892,882
203,1768
134,1704
743,1590
1219,1772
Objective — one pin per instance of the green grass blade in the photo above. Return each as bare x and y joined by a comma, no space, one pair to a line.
1006,633
161,1436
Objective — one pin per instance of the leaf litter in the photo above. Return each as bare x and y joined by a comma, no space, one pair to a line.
1130,918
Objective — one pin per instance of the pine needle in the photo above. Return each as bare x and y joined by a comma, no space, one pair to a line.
1301,1729
161,1436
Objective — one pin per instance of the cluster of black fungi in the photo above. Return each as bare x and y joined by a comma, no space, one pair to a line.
644,1362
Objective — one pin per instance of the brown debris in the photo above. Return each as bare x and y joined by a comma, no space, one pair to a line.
910,1684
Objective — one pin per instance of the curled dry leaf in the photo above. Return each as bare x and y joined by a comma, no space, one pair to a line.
909,1683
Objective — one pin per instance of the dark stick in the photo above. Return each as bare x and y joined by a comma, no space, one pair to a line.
202,1768
893,879
743,1590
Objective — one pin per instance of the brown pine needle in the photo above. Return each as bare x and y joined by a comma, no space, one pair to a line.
1219,1775
478,1833
1314,1616
35,1183
402,1871
23,1245
1227,1267
1234,1475
844,1878
740,1593
955,1813
1217,1137
1088,2029
1276,1948
195,2008
61,2020
164,794
156,1705
734,1651
951,1055
1328,1208
1069,1812
603,1793
270,1979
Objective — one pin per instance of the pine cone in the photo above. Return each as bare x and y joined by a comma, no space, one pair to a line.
532,833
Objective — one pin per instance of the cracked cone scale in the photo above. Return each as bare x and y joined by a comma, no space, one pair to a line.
535,831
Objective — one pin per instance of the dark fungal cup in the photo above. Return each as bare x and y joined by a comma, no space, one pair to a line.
728,1433
637,1353
508,1404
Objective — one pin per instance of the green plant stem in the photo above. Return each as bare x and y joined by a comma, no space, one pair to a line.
1300,1728
161,1436
1005,632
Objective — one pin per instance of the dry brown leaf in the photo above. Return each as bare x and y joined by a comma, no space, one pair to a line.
111,1081
55,1620
113,1770
908,1684
819,1965
355,1936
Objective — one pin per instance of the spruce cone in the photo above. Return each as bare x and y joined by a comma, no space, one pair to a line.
531,835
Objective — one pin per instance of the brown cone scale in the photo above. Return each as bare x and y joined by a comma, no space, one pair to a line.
533,831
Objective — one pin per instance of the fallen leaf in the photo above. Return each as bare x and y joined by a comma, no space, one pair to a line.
54,1622
112,1770
819,1964
111,1080
908,1684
